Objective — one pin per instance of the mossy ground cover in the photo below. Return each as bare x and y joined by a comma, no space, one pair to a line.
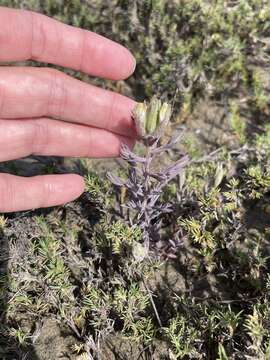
70,285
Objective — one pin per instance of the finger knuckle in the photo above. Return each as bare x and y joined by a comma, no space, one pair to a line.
40,136
57,93
39,37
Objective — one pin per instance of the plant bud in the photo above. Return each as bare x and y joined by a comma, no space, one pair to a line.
152,116
139,115
165,114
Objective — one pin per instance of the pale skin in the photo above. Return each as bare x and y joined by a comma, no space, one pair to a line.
45,112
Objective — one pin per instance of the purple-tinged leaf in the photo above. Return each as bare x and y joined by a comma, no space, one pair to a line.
157,176
115,180
175,169
169,145
130,156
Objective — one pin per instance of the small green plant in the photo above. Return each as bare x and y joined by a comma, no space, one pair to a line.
19,335
222,353
182,338
237,124
97,189
258,179
122,238
260,97
258,334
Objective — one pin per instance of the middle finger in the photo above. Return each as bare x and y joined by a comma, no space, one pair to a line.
20,138
37,92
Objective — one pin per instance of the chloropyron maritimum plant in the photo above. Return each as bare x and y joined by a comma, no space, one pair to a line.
144,184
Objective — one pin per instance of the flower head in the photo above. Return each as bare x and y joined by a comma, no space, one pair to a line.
151,119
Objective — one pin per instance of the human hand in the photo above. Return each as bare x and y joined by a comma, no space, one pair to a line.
45,112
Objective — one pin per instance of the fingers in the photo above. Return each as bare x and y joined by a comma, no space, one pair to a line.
19,193
34,92
20,138
26,35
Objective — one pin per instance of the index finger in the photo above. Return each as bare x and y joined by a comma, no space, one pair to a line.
26,35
